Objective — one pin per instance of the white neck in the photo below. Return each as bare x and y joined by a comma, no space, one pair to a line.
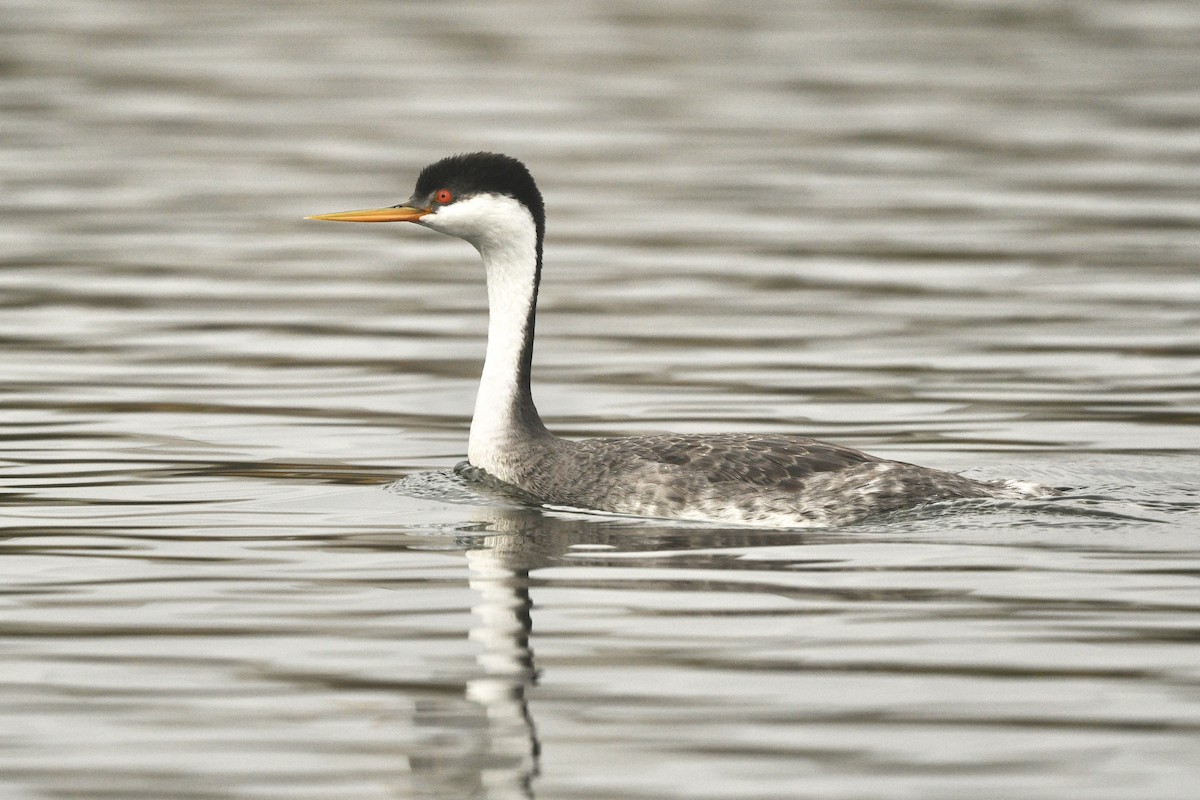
510,277
503,232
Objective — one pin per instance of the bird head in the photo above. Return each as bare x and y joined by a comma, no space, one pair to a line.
474,196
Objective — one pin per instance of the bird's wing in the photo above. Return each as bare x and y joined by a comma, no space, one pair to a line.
752,459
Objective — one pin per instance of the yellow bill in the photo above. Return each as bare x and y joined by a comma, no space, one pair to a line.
392,214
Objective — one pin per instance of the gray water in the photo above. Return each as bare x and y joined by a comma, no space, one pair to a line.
961,234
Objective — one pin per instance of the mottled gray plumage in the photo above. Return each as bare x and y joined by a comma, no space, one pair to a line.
761,479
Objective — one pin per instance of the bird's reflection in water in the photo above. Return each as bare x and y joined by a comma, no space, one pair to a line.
500,574
500,760
489,746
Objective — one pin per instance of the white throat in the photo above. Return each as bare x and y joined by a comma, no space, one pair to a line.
504,233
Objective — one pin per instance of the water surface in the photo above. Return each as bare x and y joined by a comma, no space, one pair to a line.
958,234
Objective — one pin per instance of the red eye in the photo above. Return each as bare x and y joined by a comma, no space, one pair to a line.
444,196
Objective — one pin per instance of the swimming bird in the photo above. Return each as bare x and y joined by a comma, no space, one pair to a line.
492,202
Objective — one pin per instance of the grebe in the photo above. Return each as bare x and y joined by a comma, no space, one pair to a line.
491,201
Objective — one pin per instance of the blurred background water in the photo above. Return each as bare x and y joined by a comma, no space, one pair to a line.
959,233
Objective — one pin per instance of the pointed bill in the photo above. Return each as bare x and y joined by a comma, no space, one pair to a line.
392,214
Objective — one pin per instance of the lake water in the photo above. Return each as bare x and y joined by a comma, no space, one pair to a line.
958,233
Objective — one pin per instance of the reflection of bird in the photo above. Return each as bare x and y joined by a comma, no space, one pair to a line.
492,202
